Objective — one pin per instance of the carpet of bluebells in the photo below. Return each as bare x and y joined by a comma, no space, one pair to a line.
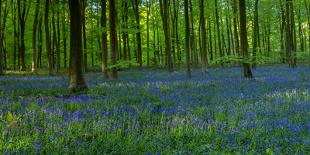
154,112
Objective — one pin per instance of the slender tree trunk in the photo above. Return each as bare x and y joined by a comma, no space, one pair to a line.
34,36
64,35
125,33
23,10
235,23
40,40
47,38
113,38
203,38
164,9
138,33
58,38
210,41
192,38
104,46
148,5
282,28
289,41
187,40
218,32
244,40
76,77
154,42
176,17
255,33
83,7
14,36
300,32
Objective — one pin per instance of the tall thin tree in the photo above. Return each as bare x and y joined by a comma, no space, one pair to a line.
34,36
164,11
244,40
113,39
187,40
47,37
104,47
76,75
138,33
203,38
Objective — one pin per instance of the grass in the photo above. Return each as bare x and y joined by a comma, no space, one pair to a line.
154,112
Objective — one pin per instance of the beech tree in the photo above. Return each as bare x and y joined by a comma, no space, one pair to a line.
164,11
76,75
104,47
47,37
244,40
203,38
187,40
113,38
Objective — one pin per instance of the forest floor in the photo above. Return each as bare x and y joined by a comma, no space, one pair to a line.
157,112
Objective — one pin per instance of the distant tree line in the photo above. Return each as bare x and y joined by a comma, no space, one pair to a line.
113,34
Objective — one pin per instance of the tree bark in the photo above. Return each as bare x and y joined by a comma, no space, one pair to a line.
255,33
113,39
76,77
148,7
40,40
47,38
164,9
23,11
138,33
104,47
83,7
244,40
64,35
187,40
34,36
203,38
218,33
58,38
289,41
235,23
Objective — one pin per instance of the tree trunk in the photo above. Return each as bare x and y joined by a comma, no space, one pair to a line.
83,7
289,41
235,23
282,28
187,40
164,9
255,33
148,5
244,40
138,33
23,10
58,38
47,38
34,36
76,77
113,39
203,38
104,46
300,32
192,38
40,40
64,35
218,33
